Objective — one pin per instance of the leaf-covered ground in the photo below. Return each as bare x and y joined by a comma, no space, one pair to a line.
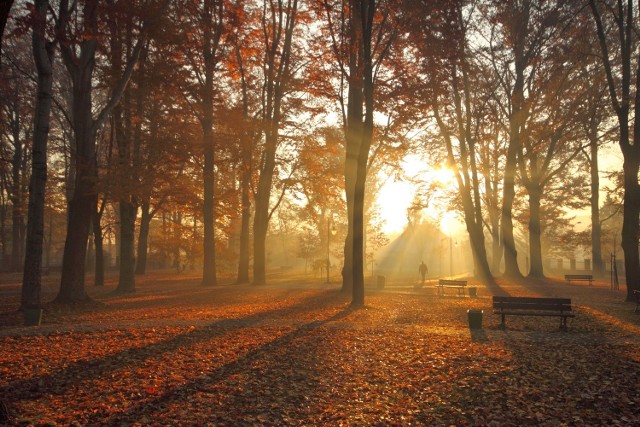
294,353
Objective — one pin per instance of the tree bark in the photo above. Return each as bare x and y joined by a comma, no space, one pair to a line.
535,233
98,242
367,12
16,199
631,224
209,273
127,140
511,269
243,261
43,54
353,137
596,228
245,180
126,279
143,238
211,36
261,216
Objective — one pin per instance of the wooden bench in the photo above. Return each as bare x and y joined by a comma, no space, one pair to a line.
528,306
579,278
460,285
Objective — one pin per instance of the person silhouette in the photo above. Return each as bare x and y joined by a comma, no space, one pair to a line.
423,271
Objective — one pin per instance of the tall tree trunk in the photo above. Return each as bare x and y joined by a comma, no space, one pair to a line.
243,262
479,252
3,225
209,273
511,269
245,181
494,221
212,27
126,280
143,238
596,228
126,140
367,12
16,197
98,241
84,195
535,233
519,28
43,53
631,224
353,137
261,216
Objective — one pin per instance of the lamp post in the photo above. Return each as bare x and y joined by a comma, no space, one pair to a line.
331,231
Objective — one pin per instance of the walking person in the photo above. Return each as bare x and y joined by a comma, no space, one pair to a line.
423,271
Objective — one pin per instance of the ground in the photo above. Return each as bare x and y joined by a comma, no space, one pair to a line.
295,353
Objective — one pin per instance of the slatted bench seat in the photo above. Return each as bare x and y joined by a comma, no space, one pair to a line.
460,285
529,306
579,278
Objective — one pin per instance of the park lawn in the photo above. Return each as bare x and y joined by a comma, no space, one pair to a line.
295,353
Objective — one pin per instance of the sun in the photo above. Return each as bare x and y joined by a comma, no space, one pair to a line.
444,176
393,200
396,197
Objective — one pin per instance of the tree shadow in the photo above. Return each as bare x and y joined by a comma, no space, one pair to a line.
245,379
60,381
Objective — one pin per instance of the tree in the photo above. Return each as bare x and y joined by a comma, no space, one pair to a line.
549,139
204,49
249,132
592,126
79,56
279,20
43,55
623,82
120,20
362,34
521,32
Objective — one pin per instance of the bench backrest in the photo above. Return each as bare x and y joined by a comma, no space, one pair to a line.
453,282
531,303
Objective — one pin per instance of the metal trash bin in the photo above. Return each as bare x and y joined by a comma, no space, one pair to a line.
475,319
381,282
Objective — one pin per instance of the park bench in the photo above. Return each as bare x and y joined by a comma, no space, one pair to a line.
529,306
460,285
637,295
579,278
